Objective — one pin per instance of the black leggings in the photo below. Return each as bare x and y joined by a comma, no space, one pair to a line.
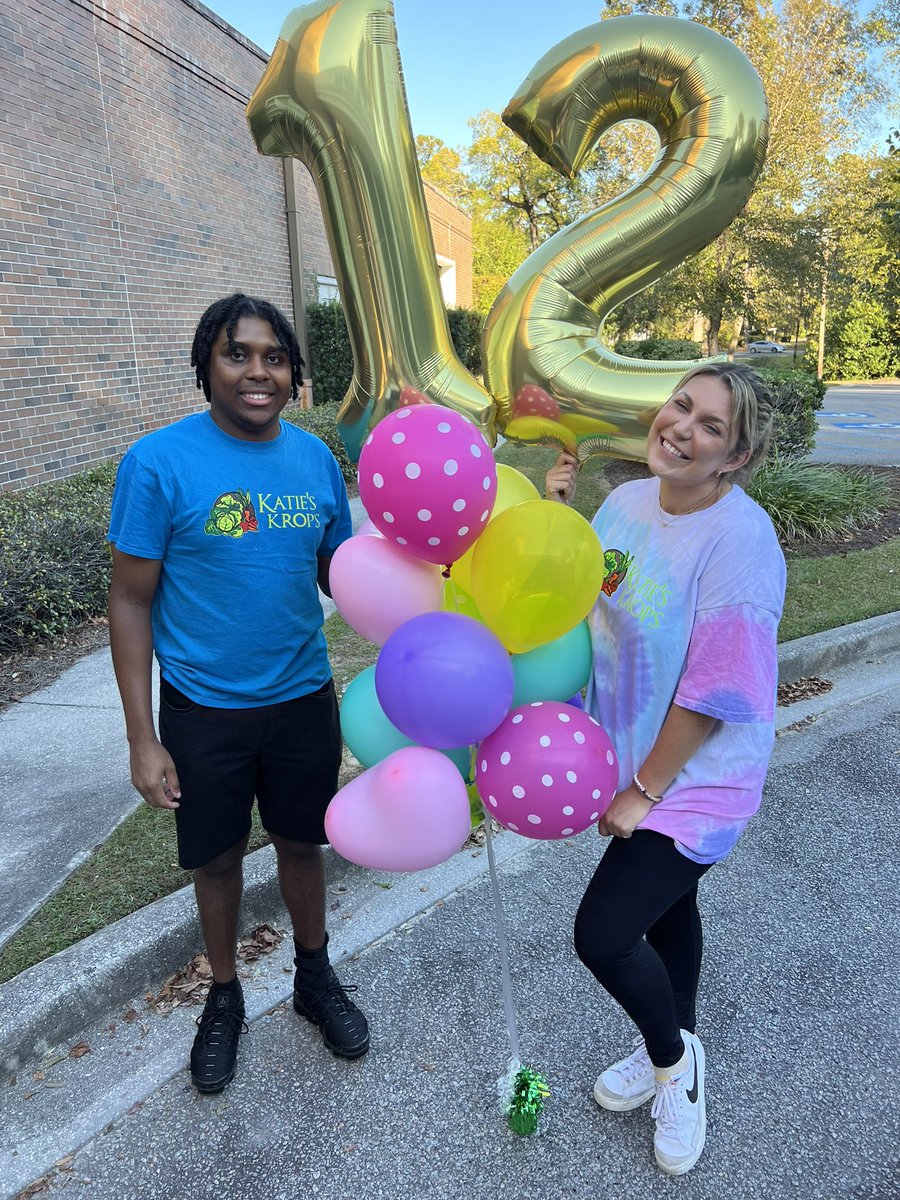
644,887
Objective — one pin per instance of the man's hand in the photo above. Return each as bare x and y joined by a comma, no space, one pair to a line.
153,774
625,813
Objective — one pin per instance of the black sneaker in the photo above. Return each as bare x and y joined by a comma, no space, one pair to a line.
214,1053
322,999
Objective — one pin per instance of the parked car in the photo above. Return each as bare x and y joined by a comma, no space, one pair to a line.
765,348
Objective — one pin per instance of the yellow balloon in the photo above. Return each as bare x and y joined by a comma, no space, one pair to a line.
705,100
332,95
455,599
512,488
537,572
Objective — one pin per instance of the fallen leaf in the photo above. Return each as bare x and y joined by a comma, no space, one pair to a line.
65,1164
54,1083
79,1050
38,1076
129,1015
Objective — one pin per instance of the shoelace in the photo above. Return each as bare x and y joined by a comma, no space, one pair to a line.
666,1107
221,1025
338,992
636,1064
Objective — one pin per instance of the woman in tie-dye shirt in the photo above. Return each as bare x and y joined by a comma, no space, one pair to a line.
685,671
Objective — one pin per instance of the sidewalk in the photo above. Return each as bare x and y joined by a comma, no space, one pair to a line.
789,993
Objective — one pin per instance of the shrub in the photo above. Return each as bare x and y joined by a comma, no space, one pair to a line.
322,421
858,342
797,394
660,348
330,356
54,559
466,326
809,500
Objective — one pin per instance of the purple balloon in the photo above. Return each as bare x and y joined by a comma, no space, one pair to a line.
444,680
576,701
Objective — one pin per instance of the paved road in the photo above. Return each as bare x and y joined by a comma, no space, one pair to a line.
859,423
799,1017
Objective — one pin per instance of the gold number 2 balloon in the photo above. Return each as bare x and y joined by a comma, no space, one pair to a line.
333,96
545,362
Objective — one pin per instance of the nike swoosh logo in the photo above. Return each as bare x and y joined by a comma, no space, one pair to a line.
694,1090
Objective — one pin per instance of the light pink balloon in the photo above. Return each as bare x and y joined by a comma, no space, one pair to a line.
428,481
408,812
377,587
548,771
367,529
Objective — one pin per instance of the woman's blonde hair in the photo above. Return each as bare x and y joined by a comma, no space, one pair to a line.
752,411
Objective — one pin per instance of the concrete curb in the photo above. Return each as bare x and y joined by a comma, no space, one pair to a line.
55,1000
835,648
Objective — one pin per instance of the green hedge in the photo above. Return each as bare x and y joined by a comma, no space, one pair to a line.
331,359
797,393
54,559
330,356
660,348
322,421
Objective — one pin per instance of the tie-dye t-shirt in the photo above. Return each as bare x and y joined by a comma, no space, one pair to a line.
689,614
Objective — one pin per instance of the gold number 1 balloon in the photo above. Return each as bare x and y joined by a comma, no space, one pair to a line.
543,334
333,96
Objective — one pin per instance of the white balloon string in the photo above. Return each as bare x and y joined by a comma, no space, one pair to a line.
509,1006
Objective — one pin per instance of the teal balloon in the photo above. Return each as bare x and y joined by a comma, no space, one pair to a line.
370,736
556,670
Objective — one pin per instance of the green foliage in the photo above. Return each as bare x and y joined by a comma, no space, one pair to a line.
858,342
809,500
797,394
660,348
465,332
54,559
321,420
330,356
825,593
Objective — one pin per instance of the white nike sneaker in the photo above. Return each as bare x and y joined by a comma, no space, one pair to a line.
628,1083
679,1110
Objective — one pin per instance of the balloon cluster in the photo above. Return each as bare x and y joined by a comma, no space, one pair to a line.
476,590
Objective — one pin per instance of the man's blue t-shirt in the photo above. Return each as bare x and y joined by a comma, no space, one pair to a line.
239,527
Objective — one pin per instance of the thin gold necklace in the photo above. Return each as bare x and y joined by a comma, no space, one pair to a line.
669,518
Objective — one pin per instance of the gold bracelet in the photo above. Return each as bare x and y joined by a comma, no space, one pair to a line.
647,795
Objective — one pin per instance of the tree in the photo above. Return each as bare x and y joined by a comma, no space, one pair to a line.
444,168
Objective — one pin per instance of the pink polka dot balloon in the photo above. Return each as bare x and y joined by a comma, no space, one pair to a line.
428,481
547,772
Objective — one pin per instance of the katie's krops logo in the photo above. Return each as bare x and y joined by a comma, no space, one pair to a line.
233,513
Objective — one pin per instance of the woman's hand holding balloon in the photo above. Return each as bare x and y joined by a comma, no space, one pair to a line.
560,480
623,816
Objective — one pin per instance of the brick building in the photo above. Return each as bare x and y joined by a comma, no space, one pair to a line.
131,194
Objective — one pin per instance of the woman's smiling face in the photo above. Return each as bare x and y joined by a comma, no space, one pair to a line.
689,443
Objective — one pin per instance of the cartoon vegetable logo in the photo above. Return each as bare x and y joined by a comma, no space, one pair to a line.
616,565
232,515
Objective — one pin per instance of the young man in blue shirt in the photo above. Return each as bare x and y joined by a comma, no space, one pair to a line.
222,526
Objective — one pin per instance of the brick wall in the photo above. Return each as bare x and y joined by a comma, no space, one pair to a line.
131,195
451,230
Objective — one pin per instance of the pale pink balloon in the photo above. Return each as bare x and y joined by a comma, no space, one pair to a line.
548,771
377,588
408,812
428,481
367,529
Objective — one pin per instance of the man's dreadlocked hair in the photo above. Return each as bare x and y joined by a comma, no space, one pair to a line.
226,314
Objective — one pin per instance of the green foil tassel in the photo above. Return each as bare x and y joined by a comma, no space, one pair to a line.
529,1090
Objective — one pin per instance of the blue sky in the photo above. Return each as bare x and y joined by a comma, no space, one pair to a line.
457,59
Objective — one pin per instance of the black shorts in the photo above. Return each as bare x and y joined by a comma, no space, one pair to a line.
286,755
